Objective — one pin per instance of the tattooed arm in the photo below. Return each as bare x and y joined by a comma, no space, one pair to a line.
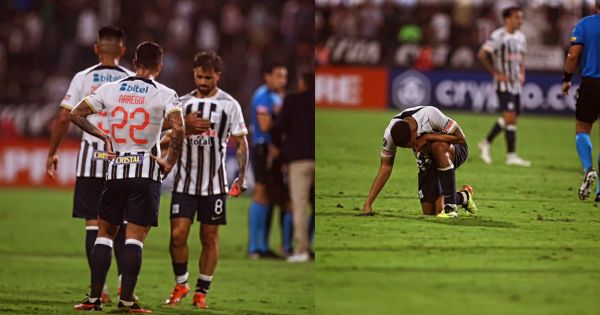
78,117
175,143
242,158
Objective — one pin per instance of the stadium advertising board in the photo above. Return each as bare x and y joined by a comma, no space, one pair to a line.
23,163
474,91
351,87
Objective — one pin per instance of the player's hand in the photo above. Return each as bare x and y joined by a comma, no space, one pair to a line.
195,125
566,86
109,148
165,165
51,166
499,76
367,209
421,143
238,186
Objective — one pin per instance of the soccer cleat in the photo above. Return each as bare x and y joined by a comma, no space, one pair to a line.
517,161
484,152
449,212
470,206
133,308
588,181
199,300
179,292
299,258
87,305
134,296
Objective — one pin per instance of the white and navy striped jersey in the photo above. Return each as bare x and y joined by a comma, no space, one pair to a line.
429,120
201,166
136,109
89,161
507,50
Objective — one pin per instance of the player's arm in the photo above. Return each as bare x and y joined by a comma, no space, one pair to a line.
522,68
61,126
457,136
175,142
385,170
485,57
79,117
241,155
570,65
265,121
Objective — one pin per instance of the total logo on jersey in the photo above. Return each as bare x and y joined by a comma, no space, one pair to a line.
105,77
132,88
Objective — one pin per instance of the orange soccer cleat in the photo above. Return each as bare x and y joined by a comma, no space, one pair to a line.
179,292
199,300
133,308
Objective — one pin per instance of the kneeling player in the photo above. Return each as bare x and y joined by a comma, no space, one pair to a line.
440,147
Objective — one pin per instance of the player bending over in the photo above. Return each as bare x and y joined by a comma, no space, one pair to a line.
440,147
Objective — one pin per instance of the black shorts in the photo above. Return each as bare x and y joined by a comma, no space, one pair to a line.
588,94
87,197
509,102
211,209
269,175
135,200
430,187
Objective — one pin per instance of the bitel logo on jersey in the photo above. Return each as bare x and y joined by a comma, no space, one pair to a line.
106,77
132,88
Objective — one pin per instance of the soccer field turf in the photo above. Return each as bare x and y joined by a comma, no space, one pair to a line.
43,268
532,249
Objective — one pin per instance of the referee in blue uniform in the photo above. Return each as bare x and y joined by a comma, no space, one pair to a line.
585,49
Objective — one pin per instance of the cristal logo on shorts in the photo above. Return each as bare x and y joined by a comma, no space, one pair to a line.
100,155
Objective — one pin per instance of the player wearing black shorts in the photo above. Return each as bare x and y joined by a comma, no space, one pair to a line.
440,148
200,187
138,106
503,56
585,50
91,161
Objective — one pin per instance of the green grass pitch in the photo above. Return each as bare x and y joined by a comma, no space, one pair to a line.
534,248
43,269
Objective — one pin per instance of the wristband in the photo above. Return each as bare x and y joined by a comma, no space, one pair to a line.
567,76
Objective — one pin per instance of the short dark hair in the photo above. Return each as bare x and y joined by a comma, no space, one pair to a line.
268,69
208,60
108,32
401,133
507,12
148,55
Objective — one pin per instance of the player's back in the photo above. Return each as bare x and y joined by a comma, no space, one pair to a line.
136,109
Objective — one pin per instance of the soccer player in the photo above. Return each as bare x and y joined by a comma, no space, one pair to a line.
200,186
585,49
137,107
269,188
91,162
440,147
503,56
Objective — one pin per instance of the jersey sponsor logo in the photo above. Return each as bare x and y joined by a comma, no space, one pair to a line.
214,218
132,88
100,155
131,99
105,77
573,38
129,159
204,139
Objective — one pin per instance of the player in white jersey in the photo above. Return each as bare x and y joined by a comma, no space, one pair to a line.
91,161
200,187
440,147
503,56
137,107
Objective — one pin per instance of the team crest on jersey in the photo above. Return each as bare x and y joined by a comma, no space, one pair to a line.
100,155
129,159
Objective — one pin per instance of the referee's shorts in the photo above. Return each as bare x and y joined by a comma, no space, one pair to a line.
588,94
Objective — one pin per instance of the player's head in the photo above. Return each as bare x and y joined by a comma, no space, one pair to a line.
207,71
148,56
402,134
111,42
275,76
513,17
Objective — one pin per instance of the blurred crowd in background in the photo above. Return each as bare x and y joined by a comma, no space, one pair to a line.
434,34
43,43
